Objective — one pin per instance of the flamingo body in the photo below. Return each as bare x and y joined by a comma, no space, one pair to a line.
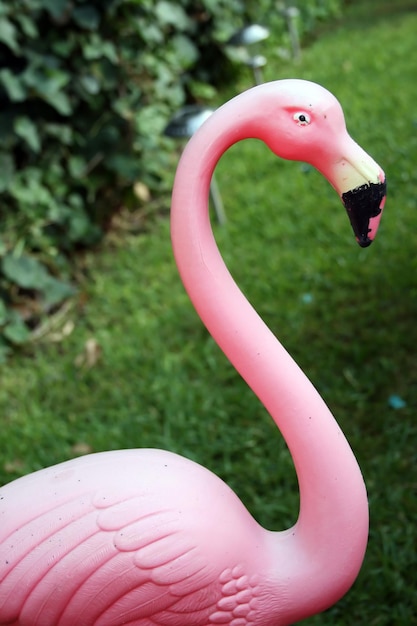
112,539
149,538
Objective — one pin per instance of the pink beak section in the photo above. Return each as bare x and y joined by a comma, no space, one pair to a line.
364,207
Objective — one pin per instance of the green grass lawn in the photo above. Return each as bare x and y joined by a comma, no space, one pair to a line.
153,377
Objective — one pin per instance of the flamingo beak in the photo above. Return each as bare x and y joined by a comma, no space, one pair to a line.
364,206
361,185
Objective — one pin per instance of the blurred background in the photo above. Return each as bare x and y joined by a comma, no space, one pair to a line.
99,345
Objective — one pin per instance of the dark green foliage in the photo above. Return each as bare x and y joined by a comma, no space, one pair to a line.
86,88
85,91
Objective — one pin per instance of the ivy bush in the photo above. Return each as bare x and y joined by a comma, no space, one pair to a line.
86,88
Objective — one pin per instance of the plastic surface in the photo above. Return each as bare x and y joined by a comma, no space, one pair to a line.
148,538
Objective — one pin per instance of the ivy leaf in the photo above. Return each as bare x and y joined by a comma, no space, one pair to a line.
87,17
13,85
29,273
62,132
55,291
76,166
151,34
186,52
79,226
60,102
96,48
8,35
171,14
16,331
49,86
90,84
27,130
126,166
56,8
24,271
28,189
27,25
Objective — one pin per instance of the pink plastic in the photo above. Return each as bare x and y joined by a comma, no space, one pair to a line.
149,538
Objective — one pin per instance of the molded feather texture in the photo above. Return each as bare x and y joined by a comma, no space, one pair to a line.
105,548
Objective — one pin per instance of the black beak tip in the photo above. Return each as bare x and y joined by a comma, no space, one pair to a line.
364,242
362,205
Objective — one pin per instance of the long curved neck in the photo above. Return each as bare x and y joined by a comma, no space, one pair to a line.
333,521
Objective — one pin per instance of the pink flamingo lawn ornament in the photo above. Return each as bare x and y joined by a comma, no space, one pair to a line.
149,538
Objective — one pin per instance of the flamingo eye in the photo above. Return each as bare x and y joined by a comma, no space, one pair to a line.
302,119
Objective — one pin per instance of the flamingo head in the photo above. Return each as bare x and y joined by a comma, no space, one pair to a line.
302,121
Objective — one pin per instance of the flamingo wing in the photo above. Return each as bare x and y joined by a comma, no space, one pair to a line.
105,556
107,559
